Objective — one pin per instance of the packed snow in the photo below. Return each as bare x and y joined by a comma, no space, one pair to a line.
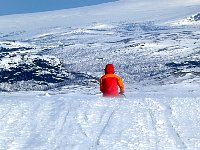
51,62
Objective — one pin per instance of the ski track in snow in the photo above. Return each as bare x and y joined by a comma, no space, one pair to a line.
85,122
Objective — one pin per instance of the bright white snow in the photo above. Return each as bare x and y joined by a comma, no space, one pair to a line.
155,52
81,121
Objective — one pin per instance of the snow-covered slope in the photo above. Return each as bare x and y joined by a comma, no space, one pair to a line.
77,121
123,10
193,20
50,64
142,52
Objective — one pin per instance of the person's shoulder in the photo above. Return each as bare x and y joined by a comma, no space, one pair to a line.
111,75
117,76
104,76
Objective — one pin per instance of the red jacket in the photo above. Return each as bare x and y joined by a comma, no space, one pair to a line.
110,82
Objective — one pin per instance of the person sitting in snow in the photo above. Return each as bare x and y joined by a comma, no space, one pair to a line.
110,82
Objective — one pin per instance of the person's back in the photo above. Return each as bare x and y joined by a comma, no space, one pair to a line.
110,82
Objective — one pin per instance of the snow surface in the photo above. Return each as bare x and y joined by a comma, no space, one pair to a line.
55,120
50,64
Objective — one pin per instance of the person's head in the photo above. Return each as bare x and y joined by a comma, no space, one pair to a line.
109,69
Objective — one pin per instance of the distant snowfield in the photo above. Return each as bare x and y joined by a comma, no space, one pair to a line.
50,64
124,10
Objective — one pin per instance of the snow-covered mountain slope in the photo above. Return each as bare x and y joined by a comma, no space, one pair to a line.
123,10
50,64
142,52
193,20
